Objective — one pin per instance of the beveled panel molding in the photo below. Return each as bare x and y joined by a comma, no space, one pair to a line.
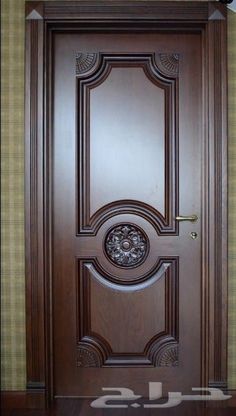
94,350
161,70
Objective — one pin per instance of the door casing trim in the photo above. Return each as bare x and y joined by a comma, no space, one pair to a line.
42,20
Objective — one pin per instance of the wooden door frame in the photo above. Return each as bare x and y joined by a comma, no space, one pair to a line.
42,20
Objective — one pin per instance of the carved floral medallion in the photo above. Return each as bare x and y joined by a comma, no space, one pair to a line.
126,245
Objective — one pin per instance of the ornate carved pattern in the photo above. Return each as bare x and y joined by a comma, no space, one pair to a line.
126,245
87,357
170,62
168,357
84,62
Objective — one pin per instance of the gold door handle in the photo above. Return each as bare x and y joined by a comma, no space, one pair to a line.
191,218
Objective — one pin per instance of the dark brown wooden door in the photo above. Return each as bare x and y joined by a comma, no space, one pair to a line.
127,137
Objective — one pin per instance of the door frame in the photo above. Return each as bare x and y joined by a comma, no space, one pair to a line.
43,18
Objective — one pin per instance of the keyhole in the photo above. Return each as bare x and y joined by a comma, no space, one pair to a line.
193,235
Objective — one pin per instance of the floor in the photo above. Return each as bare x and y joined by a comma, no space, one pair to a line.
76,407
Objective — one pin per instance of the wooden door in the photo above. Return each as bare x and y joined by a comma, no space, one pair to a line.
126,164
125,196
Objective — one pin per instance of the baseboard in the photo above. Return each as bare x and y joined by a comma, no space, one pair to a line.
23,399
232,401
11,400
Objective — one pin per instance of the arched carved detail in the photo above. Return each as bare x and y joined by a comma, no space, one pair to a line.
87,357
85,62
162,348
168,356
129,284
141,209
169,63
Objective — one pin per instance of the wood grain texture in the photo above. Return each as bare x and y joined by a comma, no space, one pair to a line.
216,276
213,165
121,9
64,407
34,206
231,203
165,77
23,400
124,311
125,9
94,290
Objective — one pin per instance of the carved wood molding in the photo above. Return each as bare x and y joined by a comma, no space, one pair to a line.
34,245
217,11
169,63
216,280
159,351
161,70
168,356
123,9
85,62
37,10
126,245
119,280
87,357
34,10
180,16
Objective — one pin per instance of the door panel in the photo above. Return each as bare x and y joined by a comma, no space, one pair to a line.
127,93
128,85
127,131
104,329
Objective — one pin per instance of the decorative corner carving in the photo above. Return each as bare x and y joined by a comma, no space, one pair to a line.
126,245
105,356
216,12
85,62
87,357
170,63
34,10
168,356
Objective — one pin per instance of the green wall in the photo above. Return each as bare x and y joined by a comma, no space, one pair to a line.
13,281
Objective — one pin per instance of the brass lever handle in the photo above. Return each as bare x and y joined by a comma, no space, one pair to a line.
192,218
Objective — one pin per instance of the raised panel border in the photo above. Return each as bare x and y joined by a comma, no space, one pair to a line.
124,15
95,351
162,70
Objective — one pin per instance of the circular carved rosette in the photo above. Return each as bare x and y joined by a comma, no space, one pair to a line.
126,245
